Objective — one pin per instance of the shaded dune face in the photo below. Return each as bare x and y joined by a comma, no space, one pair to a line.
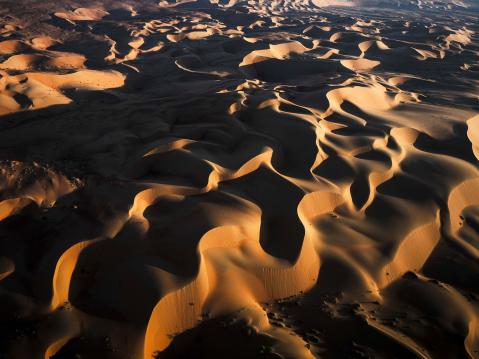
291,179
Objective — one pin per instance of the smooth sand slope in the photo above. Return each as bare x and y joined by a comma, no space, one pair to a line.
239,179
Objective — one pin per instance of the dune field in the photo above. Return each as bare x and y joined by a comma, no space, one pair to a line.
239,179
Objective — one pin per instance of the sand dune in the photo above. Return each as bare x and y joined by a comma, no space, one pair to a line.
8,47
82,14
57,61
239,179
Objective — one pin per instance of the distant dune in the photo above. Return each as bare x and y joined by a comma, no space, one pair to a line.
239,179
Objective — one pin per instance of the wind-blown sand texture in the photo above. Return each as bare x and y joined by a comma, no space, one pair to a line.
239,179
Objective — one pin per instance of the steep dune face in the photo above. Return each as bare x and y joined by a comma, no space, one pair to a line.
239,179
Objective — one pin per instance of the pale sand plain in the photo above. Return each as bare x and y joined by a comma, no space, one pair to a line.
239,179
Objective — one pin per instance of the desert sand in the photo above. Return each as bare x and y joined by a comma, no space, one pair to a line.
239,179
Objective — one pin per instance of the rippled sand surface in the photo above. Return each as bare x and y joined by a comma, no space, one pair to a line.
239,179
